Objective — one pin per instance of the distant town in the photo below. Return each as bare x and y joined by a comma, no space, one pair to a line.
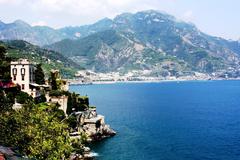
90,77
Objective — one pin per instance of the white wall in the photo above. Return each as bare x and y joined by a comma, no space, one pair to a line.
28,77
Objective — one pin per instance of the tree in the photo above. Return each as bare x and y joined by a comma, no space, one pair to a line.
39,75
69,104
4,64
53,81
23,98
37,131
3,52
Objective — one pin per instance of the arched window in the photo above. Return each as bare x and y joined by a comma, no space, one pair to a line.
22,71
14,71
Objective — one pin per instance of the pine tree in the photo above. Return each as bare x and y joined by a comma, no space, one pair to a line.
39,75
4,64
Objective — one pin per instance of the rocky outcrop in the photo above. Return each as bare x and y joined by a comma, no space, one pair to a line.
93,125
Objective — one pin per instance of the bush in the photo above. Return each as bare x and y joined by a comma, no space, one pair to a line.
37,134
72,122
40,99
57,93
23,98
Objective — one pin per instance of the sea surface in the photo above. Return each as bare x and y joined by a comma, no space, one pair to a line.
194,120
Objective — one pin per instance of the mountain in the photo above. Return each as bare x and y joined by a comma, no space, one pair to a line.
86,30
49,59
148,40
109,51
43,35
38,35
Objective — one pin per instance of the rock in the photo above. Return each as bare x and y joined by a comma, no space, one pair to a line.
93,125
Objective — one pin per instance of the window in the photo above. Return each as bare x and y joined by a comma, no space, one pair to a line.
22,77
14,78
22,71
14,71
23,86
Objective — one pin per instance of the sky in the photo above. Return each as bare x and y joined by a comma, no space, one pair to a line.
215,17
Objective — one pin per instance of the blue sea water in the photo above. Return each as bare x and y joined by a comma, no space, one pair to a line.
198,120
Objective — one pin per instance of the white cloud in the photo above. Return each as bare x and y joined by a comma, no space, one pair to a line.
15,2
58,13
188,15
39,23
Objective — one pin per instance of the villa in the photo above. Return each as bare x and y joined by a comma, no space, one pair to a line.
22,73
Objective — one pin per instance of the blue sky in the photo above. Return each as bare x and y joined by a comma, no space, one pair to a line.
215,17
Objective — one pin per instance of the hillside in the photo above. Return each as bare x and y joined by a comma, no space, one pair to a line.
147,40
110,51
129,41
20,30
49,59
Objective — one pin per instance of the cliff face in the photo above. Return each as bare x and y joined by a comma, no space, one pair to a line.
93,125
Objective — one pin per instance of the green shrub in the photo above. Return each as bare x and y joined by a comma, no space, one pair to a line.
24,98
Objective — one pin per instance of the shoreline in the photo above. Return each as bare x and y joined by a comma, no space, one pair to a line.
151,81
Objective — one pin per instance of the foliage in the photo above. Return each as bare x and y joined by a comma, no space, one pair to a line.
49,59
40,99
23,98
3,52
78,144
4,64
39,75
5,102
77,103
72,121
56,93
53,81
37,132
70,103
56,81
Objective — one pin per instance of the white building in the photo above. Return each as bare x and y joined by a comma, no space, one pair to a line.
61,100
22,73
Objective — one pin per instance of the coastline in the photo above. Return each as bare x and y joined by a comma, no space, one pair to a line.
153,81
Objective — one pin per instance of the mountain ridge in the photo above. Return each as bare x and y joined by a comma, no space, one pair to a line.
161,33
62,32
143,39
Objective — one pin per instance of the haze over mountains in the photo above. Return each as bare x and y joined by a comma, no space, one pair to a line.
147,40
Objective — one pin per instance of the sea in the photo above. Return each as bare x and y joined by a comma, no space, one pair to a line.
188,120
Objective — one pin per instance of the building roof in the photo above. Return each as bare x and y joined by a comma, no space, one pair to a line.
21,62
8,84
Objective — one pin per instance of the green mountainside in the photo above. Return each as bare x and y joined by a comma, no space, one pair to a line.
147,40
110,51
49,59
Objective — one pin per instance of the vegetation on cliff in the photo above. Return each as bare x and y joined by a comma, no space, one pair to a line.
36,130
49,59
